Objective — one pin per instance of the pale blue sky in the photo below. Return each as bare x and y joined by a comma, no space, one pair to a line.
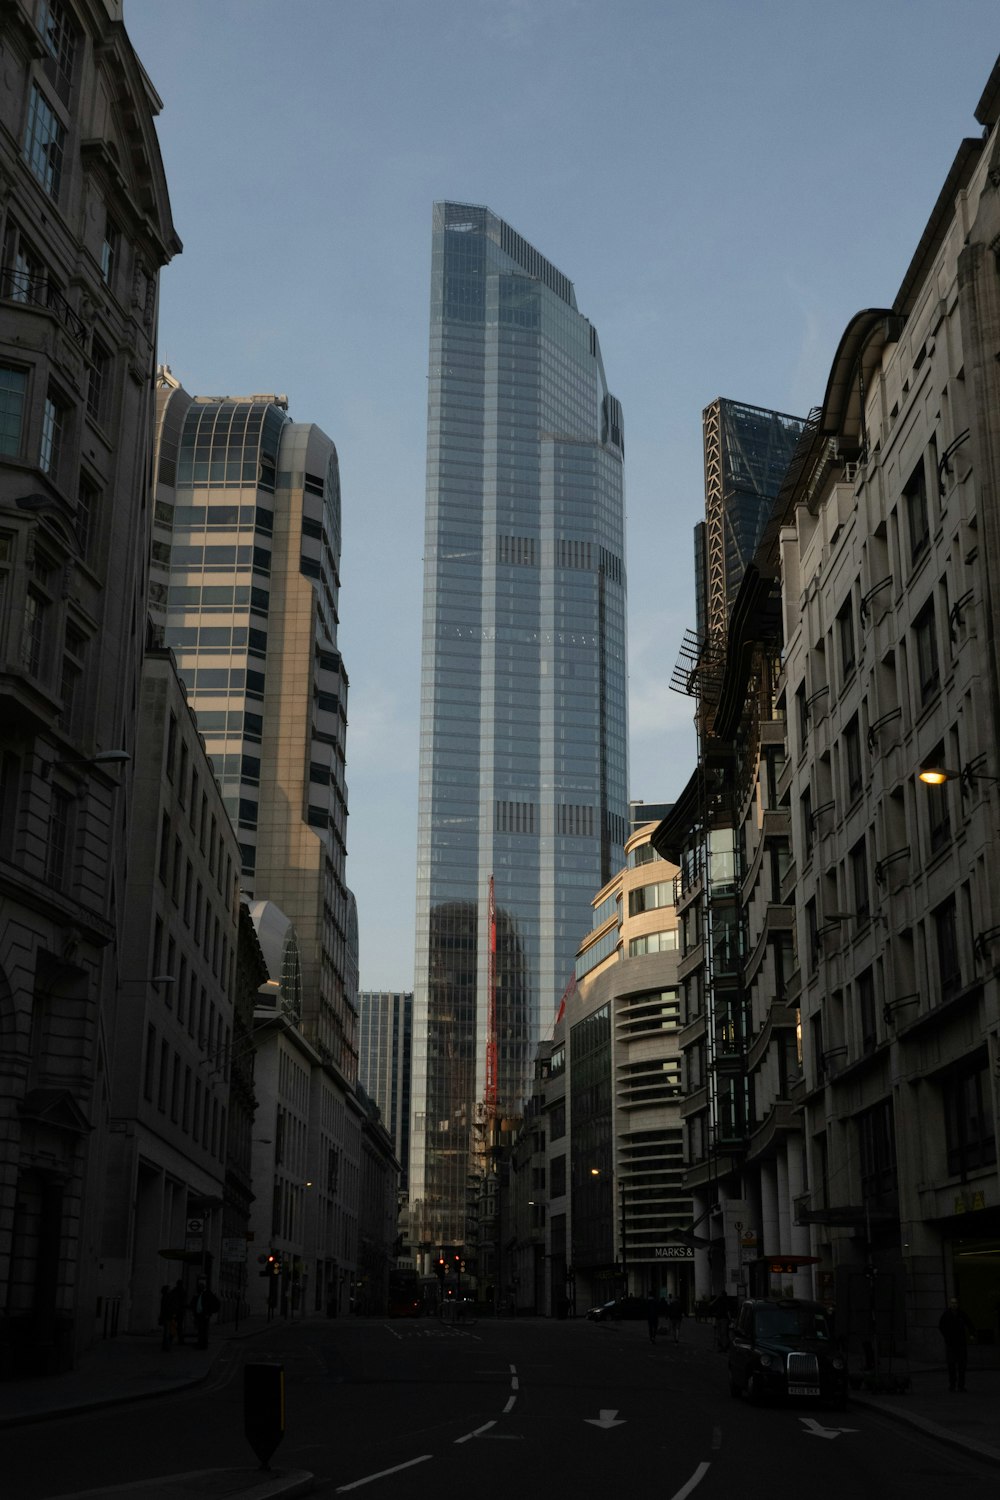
725,182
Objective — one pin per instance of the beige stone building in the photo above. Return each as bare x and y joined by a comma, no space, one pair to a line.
85,227
888,584
616,1157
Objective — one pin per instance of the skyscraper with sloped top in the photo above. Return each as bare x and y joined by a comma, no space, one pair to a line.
523,757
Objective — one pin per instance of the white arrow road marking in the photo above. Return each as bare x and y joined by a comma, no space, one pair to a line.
606,1419
814,1428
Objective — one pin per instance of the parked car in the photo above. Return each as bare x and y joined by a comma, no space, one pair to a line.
786,1348
620,1307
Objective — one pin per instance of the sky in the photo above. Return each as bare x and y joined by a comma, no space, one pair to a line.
725,184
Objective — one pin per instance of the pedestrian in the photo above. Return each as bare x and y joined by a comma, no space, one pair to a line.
653,1316
166,1315
204,1304
178,1303
674,1314
719,1311
956,1330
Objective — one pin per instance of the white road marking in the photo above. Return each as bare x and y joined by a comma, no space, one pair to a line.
357,1483
477,1432
815,1429
511,1402
606,1419
695,1479
513,1383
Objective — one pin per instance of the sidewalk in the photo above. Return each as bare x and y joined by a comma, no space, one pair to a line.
970,1420
133,1368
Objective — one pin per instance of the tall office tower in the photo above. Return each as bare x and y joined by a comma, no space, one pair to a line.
385,1063
523,775
747,450
243,583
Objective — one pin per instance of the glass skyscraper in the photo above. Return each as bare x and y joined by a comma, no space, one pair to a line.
523,770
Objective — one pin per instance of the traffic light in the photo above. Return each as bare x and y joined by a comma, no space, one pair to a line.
440,1267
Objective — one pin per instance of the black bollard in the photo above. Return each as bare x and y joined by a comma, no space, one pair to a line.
264,1409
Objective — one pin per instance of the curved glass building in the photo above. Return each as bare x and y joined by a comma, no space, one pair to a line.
523,772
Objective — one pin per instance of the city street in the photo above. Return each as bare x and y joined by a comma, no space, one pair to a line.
418,1408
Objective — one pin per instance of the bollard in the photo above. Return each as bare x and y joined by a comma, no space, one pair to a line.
264,1409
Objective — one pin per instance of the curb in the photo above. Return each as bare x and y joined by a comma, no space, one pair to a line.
929,1429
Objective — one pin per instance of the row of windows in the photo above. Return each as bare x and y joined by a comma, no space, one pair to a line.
179,1092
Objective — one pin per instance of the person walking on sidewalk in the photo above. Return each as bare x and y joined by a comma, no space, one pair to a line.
204,1304
653,1316
674,1314
956,1330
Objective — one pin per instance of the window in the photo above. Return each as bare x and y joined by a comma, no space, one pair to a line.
802,717
150,1063
845,631
87,504
970,1135
44,142
653,942
877,1152
852,760
59,39
36,624
812,937
859,878
57,854
24,276
650,897
946,933
110,251
928,669
13,384
938,803
866,1010
805,805
10,797
161,1088
98,381
915,500
74,657
53,432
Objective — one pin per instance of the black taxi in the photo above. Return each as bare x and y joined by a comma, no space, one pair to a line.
785,1347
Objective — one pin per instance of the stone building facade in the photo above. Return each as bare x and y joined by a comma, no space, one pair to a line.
85,227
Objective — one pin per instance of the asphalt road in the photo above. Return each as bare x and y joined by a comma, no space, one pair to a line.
418,1410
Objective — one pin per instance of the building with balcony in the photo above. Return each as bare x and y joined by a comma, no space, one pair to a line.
889,597
85,227
616,1068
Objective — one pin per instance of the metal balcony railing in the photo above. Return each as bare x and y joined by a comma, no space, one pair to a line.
39,290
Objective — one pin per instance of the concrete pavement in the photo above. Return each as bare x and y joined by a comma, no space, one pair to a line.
134,1368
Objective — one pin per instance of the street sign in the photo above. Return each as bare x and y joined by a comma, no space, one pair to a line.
234,1249
195,1226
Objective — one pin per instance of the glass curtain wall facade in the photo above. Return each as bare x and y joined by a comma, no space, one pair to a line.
523,773
244,584
384,1065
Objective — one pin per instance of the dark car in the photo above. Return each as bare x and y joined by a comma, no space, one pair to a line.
621,1307
786,1348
